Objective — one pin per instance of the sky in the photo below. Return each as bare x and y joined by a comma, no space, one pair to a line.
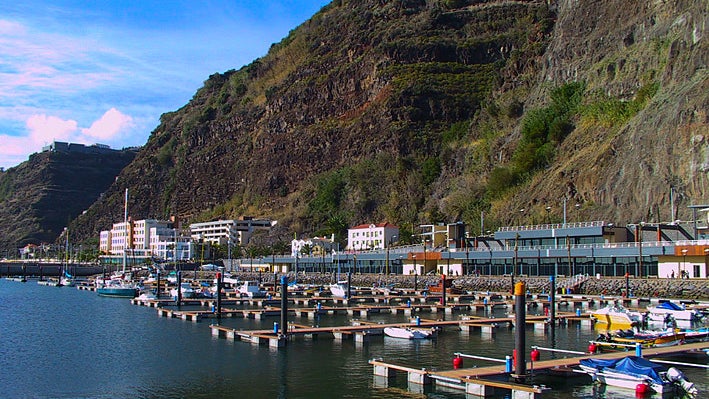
102,71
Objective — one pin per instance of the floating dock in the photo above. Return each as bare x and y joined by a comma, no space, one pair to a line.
483,381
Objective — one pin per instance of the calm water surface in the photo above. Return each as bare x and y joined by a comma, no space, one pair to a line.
66,343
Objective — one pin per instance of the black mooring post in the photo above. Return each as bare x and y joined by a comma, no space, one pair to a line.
157,282
552,301
520,338
219,295
443,297
349,285
275,283
179,289
415,283
284,304
41,277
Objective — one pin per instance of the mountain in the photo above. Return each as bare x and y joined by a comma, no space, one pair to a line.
39,197
424,111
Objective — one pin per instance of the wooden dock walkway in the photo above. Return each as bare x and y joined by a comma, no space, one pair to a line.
479,380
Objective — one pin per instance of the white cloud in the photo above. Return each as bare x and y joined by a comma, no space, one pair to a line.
43,129
109,126
113,127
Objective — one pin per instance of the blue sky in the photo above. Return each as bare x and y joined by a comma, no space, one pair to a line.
104,71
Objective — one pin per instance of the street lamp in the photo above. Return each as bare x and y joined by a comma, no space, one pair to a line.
415,269
548,209
684,263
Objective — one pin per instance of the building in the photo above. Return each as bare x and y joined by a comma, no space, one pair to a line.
316,246
231,232
142,240
371,236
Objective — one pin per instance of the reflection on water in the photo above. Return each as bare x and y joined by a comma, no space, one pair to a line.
65,343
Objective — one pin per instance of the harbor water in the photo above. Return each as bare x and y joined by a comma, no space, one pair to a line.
60,342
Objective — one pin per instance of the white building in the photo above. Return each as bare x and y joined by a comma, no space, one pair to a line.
231,231
145,239
371,236
317,246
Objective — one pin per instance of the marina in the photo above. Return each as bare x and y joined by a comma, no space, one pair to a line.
315,319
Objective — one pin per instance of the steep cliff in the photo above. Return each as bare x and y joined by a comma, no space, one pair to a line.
40,197
419,111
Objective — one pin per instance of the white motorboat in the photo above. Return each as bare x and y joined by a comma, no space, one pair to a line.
631,371
408,332
186,290
617,317
251,289
339,290
678,312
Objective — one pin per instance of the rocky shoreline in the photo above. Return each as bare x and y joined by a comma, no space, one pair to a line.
663,288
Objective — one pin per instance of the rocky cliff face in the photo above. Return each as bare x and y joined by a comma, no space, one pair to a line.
413,112
41,196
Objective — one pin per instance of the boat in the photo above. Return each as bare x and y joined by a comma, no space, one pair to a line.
631,371
438,288
340,289
664,309
117,288
408,332
617,316
67,280
186,290
251,289
647,339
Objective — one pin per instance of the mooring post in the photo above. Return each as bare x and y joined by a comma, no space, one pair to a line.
284,304
40,273
275,283
157,282
520,333
443,298
627,285
415,282
179,289
219,295
552,301
349,286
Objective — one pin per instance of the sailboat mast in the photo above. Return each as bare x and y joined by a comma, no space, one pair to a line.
125,224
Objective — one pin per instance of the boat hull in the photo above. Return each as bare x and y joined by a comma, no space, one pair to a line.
116,292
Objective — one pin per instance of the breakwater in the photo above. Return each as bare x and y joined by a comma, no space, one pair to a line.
640,287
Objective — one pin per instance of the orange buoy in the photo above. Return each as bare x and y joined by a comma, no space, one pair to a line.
592,348
457,362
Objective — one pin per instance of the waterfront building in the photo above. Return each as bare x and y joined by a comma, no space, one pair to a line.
595,248
371,236
317,246
229,232
143,240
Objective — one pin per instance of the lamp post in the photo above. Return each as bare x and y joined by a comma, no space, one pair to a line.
684,263
415,269
548,209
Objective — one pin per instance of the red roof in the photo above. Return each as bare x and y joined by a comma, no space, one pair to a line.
366,226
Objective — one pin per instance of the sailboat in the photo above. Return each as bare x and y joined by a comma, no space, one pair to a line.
66,279
117,287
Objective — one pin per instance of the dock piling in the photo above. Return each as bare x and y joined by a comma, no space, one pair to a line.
284,305
520,333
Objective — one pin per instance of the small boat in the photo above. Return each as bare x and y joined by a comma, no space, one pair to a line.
117,288
661,311
617,316
186,290
408,332
251,289
339,290
631,371
67,280
647,339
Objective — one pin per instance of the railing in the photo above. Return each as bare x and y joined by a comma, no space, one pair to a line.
597,223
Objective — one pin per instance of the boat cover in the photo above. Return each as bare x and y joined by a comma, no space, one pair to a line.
669,306
629,365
